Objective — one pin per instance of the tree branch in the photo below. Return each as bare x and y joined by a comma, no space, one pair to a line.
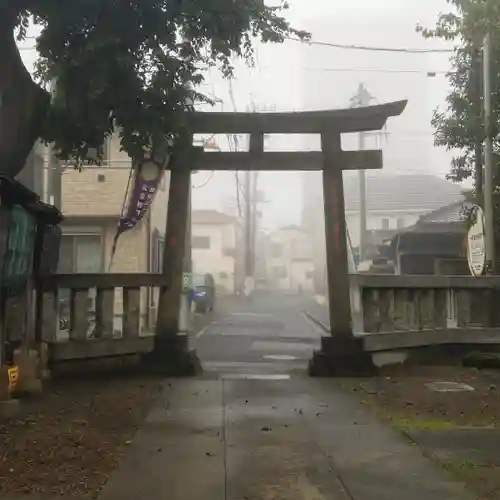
23,104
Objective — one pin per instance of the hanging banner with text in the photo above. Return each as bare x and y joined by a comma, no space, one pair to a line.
145,185
146,182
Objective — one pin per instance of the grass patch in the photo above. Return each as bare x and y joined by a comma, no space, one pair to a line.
408,424
482,360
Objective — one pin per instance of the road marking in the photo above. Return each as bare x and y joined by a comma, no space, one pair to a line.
280,357
201,332
273,346
321,300
255,376
255,315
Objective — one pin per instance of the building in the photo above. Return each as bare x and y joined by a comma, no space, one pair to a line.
216,246
92,202
394,202
290,263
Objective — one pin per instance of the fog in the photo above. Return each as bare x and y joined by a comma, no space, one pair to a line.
295,76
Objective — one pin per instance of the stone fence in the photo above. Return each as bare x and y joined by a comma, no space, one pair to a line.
413,311
83,316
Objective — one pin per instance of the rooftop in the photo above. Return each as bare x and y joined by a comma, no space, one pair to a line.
211,217
385,192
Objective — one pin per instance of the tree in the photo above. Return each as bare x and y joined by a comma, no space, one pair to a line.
126,65
460,127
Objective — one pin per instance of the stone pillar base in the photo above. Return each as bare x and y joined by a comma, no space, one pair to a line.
28,361
341,356
172,357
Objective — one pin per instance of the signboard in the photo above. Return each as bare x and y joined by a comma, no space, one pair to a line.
476,243
187,282
13,378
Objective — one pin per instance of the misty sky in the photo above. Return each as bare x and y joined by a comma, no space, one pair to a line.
292,76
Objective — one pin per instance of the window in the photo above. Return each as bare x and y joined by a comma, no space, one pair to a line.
157,258
80,254
200,242
401,223
385,224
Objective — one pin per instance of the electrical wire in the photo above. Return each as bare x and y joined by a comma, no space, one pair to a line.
371,48
210,177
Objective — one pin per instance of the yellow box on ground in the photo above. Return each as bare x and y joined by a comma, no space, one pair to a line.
12,378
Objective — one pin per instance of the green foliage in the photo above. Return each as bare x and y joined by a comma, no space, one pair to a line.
460,125
134,65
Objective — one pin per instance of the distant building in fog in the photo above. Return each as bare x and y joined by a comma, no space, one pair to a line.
393,202
216,248
290,263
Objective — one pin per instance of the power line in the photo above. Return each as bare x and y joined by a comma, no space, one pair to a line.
210,177
375,70
369,48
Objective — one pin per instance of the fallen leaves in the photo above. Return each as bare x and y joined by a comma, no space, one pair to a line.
68,441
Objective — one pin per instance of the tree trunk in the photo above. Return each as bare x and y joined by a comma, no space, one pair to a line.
23,104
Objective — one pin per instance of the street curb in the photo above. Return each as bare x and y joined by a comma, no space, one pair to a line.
317,322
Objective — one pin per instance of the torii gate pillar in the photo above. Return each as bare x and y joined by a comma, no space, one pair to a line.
341,353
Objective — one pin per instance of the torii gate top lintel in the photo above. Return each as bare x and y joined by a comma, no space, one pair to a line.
333,123
364,119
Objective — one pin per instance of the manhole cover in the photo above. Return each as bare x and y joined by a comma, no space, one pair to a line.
449,387
280,357
255,376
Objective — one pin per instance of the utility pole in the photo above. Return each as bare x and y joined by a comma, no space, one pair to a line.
253,241
476,94
360,99
488,159
248,224
54,166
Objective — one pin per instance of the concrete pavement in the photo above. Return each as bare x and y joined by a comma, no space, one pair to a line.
255,427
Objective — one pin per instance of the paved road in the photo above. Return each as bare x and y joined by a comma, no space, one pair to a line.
255,427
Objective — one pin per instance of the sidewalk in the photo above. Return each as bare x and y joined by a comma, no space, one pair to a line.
301,438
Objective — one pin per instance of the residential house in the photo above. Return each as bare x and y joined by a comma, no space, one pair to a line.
92,202
290,263
216,248
394,202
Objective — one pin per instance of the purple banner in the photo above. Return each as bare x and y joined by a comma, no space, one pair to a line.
144,188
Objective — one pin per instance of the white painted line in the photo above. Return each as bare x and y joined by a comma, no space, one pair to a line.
256,376
280,357
201,332
255,315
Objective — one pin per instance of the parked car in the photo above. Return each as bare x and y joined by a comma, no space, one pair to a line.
204,292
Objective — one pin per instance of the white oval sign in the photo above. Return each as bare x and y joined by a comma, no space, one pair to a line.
476,243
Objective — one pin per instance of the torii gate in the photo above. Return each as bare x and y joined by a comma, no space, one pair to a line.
340,352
